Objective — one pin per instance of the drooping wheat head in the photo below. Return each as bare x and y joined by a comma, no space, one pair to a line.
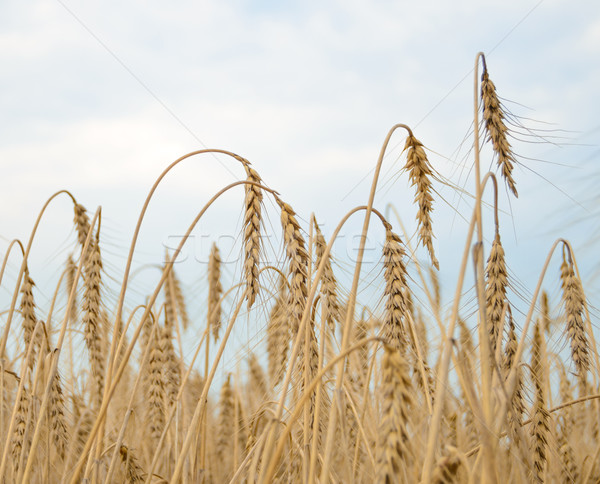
297,257
82,223
252,221
497,132
420,174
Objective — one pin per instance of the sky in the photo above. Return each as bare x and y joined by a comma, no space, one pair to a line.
99,97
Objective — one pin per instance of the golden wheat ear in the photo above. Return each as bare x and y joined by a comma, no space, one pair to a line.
574,302
329,299
394,450
495,127
252,221
420,174
394,330
297,257
215,291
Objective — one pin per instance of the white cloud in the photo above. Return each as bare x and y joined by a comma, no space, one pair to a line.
306,92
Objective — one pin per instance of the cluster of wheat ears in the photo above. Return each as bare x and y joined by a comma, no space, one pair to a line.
336,397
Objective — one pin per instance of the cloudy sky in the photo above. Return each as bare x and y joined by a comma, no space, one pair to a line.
98,97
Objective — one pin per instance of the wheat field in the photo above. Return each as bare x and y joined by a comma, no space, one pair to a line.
95,390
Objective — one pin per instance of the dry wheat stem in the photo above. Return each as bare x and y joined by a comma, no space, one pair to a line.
124,284
200,407
299,408
446,354
298,339
24,265
348,325
109,385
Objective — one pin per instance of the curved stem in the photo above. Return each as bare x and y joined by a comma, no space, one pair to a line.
7,326
111,387
201,406
296,346
442,376
24,265
348,325
273,461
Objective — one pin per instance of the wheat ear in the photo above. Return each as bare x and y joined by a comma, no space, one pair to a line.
495,127
29,317
574,307
252,221
215,290
420,174
133,470
395,290
329,299
394,453
495,291
278,336
298,263
540,428
92,318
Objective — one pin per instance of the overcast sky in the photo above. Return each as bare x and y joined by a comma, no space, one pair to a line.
98,97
